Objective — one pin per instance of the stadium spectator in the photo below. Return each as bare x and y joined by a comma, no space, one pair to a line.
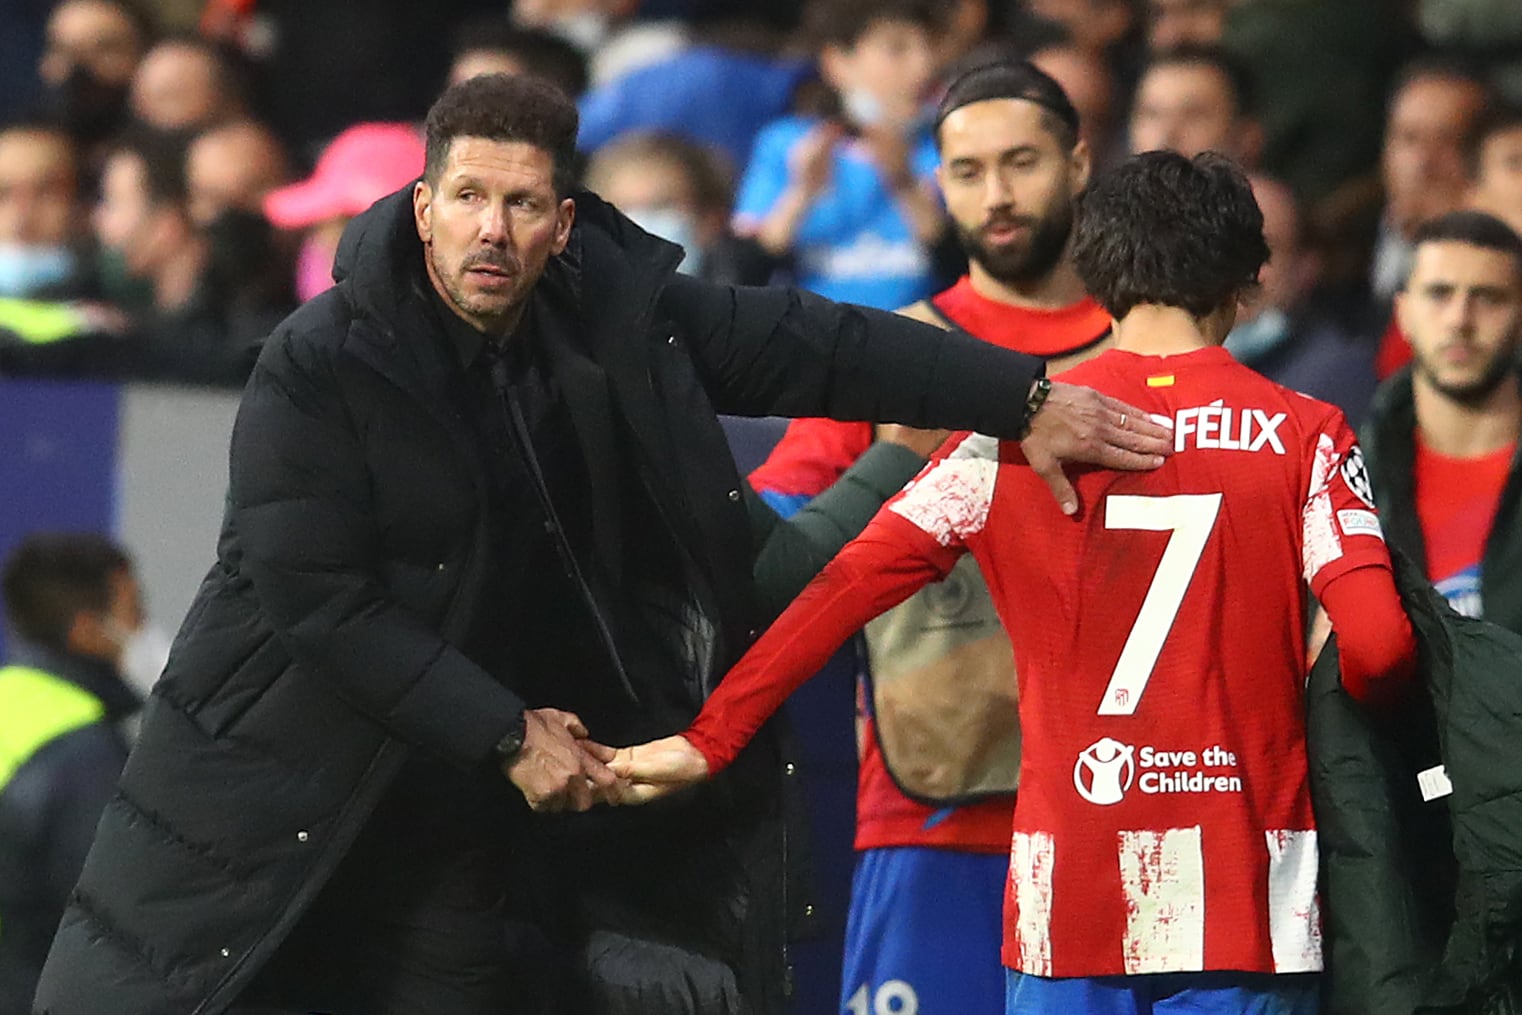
92,49
940,725
71,605
680,192
41,224
1498,167
848,198
185,83
615,41
233,167
193,322
1281,333
1126,884
1196,99
357,168
47,262
1098,26
496,46
1434,111
1175,23
1443,435
339,716
1090,85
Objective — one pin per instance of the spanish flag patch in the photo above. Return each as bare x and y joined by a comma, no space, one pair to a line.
1160,381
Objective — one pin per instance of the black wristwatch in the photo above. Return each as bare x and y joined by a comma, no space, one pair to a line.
512,741
1039,392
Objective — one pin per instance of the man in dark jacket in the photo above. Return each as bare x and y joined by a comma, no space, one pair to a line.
70,603
480,505
1442,440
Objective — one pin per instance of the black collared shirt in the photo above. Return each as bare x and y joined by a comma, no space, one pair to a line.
527,584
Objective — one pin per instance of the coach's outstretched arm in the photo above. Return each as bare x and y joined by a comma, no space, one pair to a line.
785,352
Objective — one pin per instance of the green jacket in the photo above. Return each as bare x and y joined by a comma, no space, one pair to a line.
1423,899
1389,448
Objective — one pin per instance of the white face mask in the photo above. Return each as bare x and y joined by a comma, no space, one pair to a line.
143,655
862,108
675,225
586,31
1251,340
26,269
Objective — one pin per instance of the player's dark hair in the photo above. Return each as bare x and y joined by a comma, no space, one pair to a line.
1161,228
1475,228
504,107
52,577
1006,78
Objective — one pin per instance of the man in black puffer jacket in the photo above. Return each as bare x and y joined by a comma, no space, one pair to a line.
480,505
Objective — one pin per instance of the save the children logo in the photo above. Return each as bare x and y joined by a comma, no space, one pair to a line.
1106,769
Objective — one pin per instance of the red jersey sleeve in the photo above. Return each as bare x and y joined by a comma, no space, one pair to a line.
811,455
1340,530
915,539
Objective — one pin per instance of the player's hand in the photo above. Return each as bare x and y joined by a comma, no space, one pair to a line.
558,768
1080,425
922,442
661,767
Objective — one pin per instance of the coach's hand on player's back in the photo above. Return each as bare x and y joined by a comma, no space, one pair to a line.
1077,424
558,768
650,771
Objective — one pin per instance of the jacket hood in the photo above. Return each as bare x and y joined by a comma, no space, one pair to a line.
380,247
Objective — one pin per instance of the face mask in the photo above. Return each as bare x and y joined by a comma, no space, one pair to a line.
1252,340
89,108
585,31
862,108
119,286
314,268
677,226
28,270
144,654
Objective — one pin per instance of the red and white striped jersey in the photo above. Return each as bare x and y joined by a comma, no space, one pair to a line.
1164,820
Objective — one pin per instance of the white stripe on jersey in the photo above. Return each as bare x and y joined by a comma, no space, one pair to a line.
1294,914
1162,878
950,500
1319,543
1031,857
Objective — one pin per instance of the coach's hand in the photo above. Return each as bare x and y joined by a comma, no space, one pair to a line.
558,768
1081,425
650,771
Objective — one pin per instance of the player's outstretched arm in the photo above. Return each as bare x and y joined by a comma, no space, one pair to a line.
650,771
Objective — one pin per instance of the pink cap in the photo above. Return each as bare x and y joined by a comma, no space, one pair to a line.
358,168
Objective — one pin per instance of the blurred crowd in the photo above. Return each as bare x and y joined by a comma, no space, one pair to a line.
175,175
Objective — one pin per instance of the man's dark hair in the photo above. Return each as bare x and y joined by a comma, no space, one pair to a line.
51,577
1475,228
542,54
843,22
1162,228
1239,79
163,158
1443,67
1007,78
1499,118
504,107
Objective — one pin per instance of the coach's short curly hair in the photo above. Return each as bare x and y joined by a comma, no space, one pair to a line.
504,107
1162,228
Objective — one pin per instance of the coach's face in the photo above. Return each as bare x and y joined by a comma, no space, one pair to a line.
1462,311
489,223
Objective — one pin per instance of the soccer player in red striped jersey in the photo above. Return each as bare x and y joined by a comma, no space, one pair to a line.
1164,852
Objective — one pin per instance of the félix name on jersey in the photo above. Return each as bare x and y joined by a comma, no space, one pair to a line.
1218,426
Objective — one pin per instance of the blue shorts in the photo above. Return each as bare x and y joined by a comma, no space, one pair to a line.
923,934
1164,994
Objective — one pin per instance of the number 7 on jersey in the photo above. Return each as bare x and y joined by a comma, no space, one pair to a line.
1189,518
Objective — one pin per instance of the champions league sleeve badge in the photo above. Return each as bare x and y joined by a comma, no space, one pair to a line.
1356,475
